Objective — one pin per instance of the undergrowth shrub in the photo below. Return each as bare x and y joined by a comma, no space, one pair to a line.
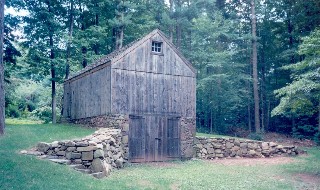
255,136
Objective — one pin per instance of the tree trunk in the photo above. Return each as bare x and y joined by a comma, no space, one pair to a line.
53,72
2,93
255,68
171,25
119,30
69,40
83,48
178,25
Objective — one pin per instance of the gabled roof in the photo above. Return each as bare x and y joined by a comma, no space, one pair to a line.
108,58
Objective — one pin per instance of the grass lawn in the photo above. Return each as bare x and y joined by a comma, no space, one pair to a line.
27,172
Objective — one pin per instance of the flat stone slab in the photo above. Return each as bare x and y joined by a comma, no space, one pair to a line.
61,161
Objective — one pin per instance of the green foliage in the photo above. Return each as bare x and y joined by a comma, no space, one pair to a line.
304,131
317,138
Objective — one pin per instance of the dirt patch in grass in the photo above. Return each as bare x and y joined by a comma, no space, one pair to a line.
162,164
308,178
253,161
145,183
174,186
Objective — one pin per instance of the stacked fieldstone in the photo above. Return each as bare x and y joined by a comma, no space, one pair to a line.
210,148
95,154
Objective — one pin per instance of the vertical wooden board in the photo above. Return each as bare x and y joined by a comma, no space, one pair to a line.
169,62
130,62
173,138
149,93
76,95
139,62
137,141
102,92
131,92
144,93
124,91
155,94
97,90
84,90
114,100
108,90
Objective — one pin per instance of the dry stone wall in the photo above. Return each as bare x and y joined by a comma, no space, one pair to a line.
211,148
96,154
114,121
187,133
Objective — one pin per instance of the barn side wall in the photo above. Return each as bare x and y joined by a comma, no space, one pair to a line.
88,95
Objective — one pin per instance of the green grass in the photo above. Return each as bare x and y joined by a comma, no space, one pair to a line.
27,172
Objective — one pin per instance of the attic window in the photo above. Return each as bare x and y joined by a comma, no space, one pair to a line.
156,47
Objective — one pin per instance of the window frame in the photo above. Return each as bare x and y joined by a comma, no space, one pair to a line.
156,45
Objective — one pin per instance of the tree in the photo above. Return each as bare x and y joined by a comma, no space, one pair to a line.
2,93
255,68
301,97
44,31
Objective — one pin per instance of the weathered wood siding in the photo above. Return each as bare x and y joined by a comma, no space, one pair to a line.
88,95
145,82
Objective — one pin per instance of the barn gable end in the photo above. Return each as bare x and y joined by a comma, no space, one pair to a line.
150,94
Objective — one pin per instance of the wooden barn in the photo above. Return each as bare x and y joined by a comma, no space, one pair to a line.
148,90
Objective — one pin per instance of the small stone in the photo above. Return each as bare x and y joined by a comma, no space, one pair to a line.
218,151
92,143
86,149
235,148
70,149
204,151
61,153
61,161
70,143
243,145
23,152
43,147
125,139
119,163
210,150
82,144
272,144
265,145
77,161
87,155
229,145
125,127
55,144
99,146
252,152
98,154
219,155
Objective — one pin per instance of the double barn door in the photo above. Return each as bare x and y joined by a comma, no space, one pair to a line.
154,138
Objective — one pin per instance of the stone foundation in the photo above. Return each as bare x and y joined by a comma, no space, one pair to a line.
95,154
210,148
187,134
